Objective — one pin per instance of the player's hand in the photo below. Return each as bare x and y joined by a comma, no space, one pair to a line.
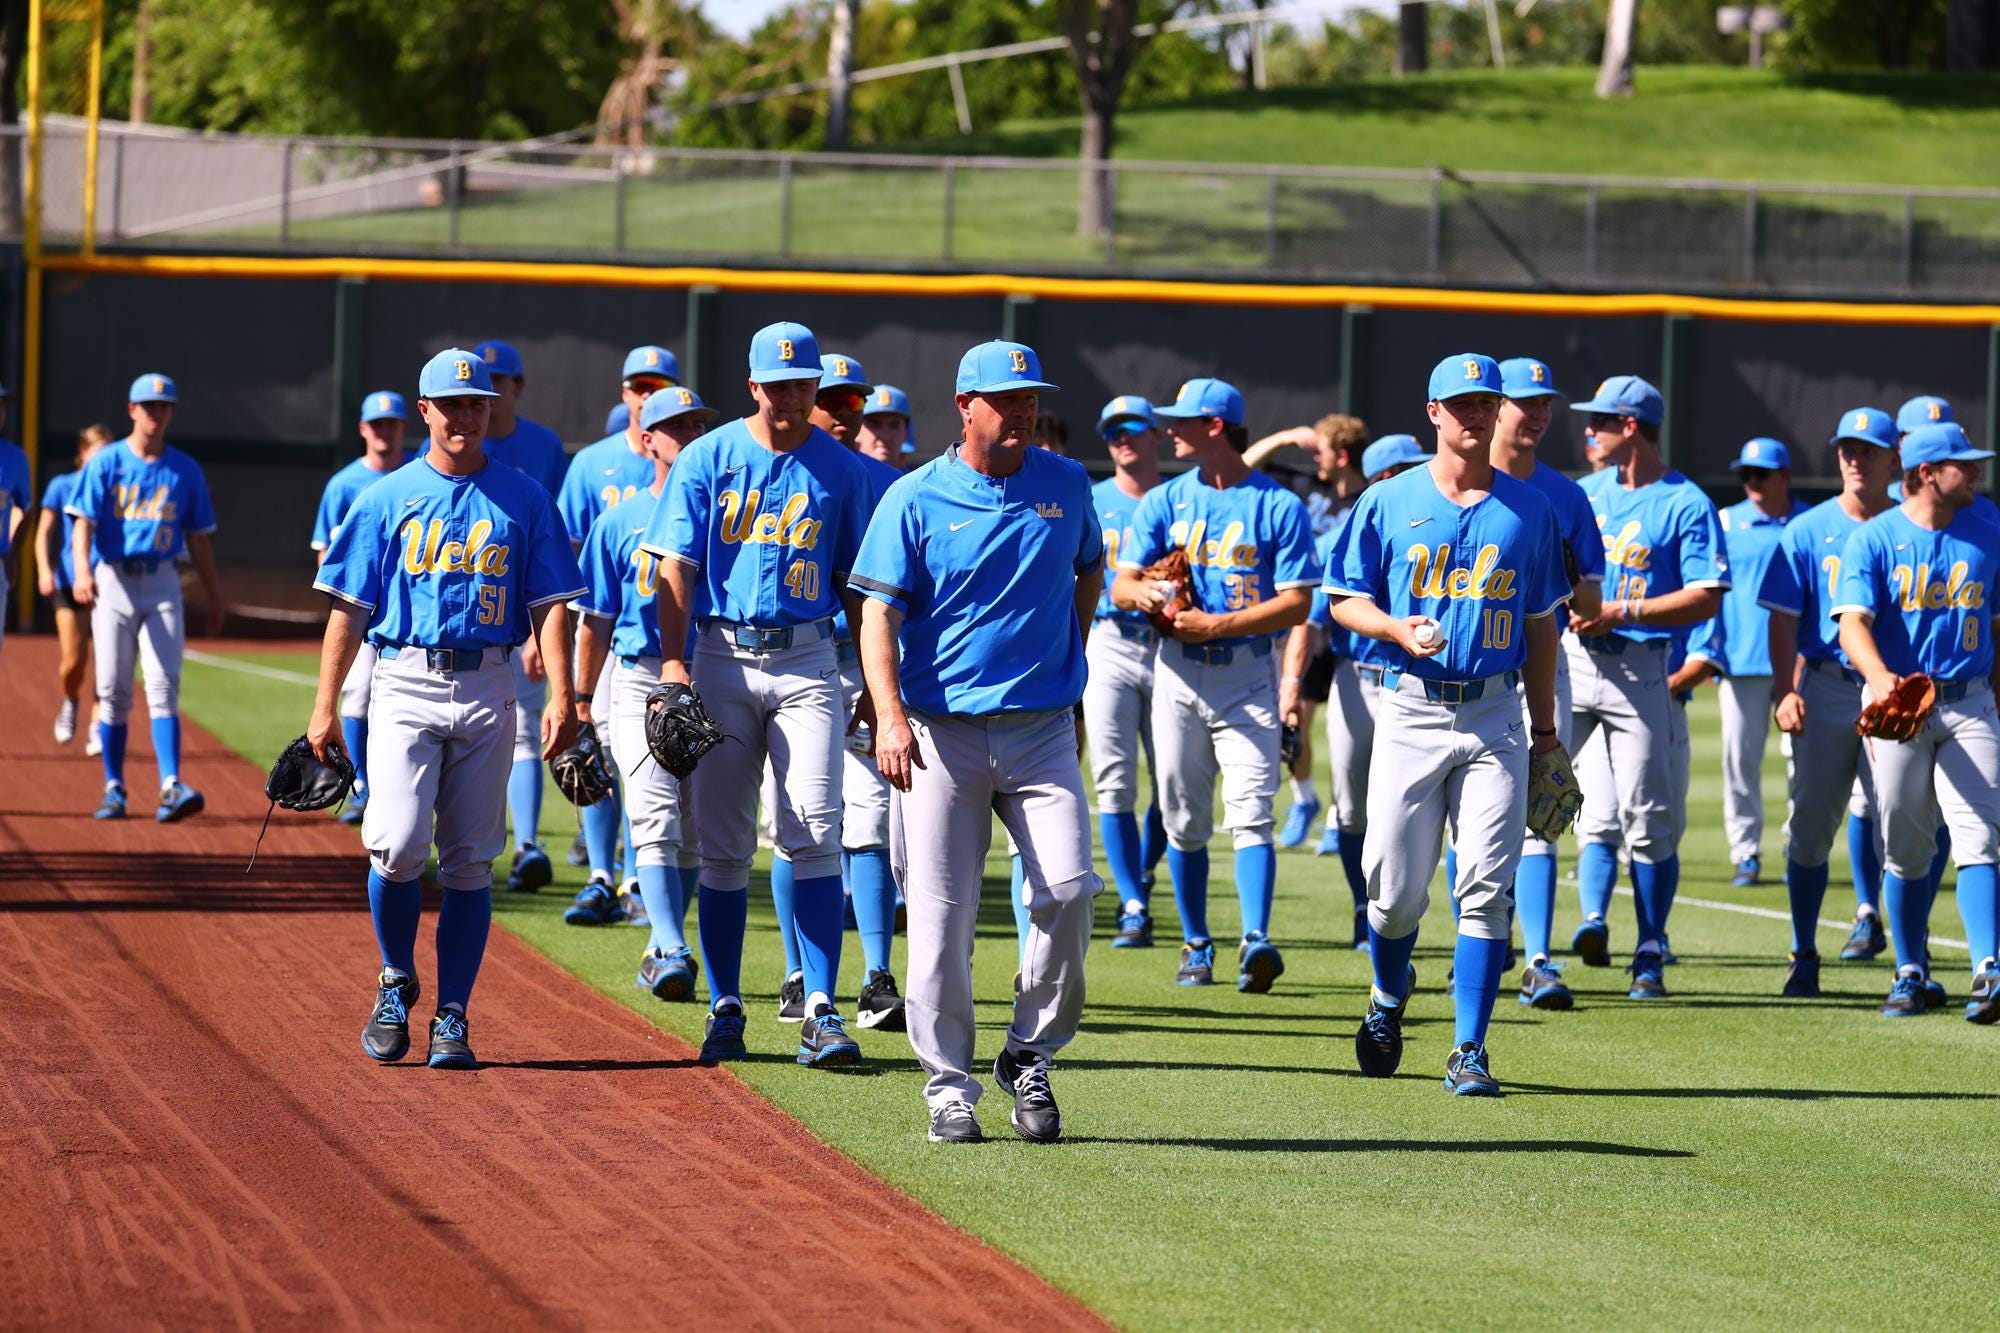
1192,626
583,712
896,753
45,580
218,614
531,660
1791,711
1288,702
864,716
675,672
84,589
323,731
1152,595
1543,744
1880,686
558,728
1406,637
1591,627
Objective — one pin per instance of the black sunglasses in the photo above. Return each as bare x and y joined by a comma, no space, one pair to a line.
1754,473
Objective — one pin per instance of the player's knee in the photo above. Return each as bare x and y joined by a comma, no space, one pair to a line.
1482,913
397,863
1116,800
1256,835
654,854
1396,916
725,875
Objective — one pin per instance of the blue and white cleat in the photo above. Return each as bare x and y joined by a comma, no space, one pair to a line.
1258,964
1197,964
1466,1073
387,1034
1542,987
1982,1004
632,906
177,802
668,976
1748,871
1329,841
1649,981
1135,930
723,1039
1378,1042
532,871
1592,942
1865,941
451,1042
1906,997
1934,996
824,1043
597,905
1298,822
113,804
1802,977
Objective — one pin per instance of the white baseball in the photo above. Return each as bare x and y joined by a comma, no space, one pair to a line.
1167,588
1427,633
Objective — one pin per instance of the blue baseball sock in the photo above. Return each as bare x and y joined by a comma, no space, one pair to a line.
1451,878
463,920
354,740
1939,859
1153,841
1979,909
1015,880
1535,897
1391,961
111,750
524,800
690,889
1864,863
874,892
1907,905
1476,966
1653,887
1190,875
600,835
720,924
1256,880
1119,832
1596,876
167,747
784,903
396,906
819,903
1806,885
631,856
1350,861
659,889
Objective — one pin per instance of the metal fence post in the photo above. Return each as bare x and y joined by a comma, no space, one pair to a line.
1910,243
1750,236
117,185
1111,217
618,203
1357,358
350,345
454,173
950,205
1590,232
1676,385
1018,323
1434,224
704,333
785,207
285,195
1271,220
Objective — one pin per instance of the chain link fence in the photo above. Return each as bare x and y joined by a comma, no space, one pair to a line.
166,189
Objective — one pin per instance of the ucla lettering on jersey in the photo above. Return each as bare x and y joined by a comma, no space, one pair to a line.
601,475
623,579
1245,543
1803,578
1927,593
142,509
1114,513
341,492
1658,538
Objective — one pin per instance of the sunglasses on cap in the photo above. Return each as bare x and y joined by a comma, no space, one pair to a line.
648,384
1125,432
842,400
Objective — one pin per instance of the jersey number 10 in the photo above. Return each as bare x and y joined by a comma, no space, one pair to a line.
1496,629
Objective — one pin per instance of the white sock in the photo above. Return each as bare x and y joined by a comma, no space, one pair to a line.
1133,907
1864,912
815,1000
1385,1001
1303,790
726,999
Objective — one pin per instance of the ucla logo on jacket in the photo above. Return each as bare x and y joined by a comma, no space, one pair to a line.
425,551
1624,549
743,523
1229,551
1432,574
139,503
1916,590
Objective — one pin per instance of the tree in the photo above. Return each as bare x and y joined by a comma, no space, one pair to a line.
1413,37
1614,74
13,55
1102,47
840,68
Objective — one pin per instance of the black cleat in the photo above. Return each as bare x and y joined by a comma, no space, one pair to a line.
881,1004
387,1036
1802,977
1378,1042
954,1122
451,1042
1025,1078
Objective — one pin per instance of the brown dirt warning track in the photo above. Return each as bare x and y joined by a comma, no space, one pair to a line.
190,1136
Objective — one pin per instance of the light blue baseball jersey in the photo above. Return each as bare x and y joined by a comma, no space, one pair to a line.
341,492
881,476
1576,522
1660,538
601,475
55,500
1245,543
1340,640
1479,570
451,562
1982,505
1930,593
1803,578
1114,511
1738,640
536,450
623,581
17,491
984,570
143,510
772,533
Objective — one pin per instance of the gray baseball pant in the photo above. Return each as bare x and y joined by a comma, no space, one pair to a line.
1624,695
1216,720
1952,768
439,750
1352,700
138,614
1829,765
1746,726
1117,715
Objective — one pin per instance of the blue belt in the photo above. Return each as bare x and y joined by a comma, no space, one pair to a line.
1452,691
757,639
1129,629
1610,645
1371,669
147,565
1848,674
1222,654
1951,691
446,659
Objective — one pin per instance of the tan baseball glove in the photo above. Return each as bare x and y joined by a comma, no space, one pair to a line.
1903,713
1172,568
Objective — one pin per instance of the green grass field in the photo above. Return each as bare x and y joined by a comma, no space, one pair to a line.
1720,1159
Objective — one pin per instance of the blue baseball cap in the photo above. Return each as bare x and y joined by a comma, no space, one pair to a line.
1128,407
1763,452
500,358
651,360
1867,425
1206,398
837,370
886,400
1390,451
383,404
1626,396
617,419
455,373
1525,377
671,402
1945,442
153,388
1923,410
1468,372
1000,367
783,351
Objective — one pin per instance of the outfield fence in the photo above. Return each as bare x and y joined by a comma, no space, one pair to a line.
165,189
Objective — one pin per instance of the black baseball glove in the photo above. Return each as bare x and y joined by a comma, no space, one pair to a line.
300,780
679,730
1290,743
581,772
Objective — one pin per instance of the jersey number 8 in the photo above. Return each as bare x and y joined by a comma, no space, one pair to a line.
803,580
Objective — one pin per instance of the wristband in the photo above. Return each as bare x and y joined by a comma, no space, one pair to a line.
583,698
1292,680
1542,731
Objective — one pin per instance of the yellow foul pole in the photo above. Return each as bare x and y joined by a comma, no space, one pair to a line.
31,313
92,115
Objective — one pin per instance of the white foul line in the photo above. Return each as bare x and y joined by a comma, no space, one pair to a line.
252,669
1771,915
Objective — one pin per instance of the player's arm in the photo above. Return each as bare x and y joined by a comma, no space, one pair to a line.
1692,673
1292,669
881,670
47,559
1789,705
856,606
345,625
593,641
1361,616
84,586
1539,676
1131,592
1857,640
1089,587
1279,612
1305,437
672,608
201,549
559,718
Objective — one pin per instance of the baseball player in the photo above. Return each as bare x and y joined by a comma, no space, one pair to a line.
1456,568
1915,595
756,535
139,506
530,447
885,435
55,573
600,475
1354,683
1930,410
384,422
1818,691
1118,692
982,571
621,621
1665,568
1215,687
442,565
17,497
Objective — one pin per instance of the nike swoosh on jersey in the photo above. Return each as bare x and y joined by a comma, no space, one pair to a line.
1419,522
1182,505
1902,546
407,503
956,526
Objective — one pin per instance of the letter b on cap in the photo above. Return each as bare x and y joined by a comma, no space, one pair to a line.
784,349
1019,361
1471,369
840,366
461,370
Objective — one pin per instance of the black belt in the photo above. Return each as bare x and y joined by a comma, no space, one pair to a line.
1452,691
149,565
1610,645
1951,691
1222,654
446,659
847,652
1848,674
